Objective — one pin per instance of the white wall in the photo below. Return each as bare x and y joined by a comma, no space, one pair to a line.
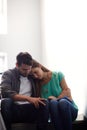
24,30
63,33
64,25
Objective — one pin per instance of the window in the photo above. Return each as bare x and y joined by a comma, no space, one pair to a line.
3,16
3,63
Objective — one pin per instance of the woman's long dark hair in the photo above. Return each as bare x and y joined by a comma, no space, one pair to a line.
39,83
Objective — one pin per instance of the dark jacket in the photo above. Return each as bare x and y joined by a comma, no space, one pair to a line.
10,83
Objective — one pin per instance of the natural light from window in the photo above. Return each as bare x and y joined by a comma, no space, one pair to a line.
3,63
3,16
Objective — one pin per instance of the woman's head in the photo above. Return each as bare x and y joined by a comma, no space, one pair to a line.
38,70
39,73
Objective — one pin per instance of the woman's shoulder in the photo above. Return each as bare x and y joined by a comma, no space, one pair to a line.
58,74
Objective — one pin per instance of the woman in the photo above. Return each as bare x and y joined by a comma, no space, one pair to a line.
53,87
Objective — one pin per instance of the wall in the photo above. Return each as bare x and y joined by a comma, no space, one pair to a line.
64,25
63,33
23,25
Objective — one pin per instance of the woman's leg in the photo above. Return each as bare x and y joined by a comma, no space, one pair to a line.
62,113
68,113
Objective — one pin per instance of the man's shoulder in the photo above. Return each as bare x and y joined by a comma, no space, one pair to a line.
10,71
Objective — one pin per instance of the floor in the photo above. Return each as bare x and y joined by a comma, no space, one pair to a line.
79,124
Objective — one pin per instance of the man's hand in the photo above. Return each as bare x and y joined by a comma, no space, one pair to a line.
36,101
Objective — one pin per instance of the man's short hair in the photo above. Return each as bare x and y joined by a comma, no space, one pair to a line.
24,58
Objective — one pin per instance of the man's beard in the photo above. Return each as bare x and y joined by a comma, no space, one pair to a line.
24,75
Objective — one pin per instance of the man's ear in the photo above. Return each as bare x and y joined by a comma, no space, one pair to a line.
40,65
17,65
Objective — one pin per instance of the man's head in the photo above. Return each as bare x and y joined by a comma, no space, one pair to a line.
24,63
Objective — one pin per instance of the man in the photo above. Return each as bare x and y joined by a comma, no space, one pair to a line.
21,103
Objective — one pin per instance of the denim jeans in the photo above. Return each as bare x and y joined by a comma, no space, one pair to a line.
62,113
12,112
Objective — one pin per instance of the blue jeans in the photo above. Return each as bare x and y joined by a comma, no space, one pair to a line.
14,113
62,113
6,110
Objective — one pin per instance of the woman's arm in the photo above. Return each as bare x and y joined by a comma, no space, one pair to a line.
65,90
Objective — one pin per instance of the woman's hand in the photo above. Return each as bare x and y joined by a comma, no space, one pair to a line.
52,98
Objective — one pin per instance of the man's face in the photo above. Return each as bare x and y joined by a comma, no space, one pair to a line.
24,69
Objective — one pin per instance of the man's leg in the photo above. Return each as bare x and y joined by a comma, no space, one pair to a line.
43,116
6,111
2,125
28,113
24,113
